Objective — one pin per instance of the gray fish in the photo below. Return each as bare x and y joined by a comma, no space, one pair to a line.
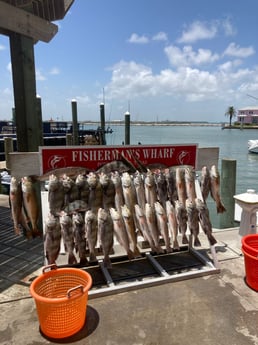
130,228
71,189
162,222
68,171
152,224
190,184
139,188
193,220
96,193
18,215
119,197
144,227
150,188
129,194
105,235
161,187
120,232
55,195
172,223
83,187
76,206
116,165
205,222
215,189
66,224
205,182
52,238
109,191
91,228
181,185
171,185
79,237
181,216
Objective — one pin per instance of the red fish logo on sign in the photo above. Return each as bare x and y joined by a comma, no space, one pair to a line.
184,157
56,161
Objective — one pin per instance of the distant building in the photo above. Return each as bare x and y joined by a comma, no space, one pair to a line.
248,115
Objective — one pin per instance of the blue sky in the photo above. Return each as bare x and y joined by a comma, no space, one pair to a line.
160,59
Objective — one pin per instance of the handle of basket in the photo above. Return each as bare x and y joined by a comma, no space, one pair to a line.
49,268
70,291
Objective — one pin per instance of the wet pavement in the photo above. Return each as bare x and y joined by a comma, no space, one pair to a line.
211,309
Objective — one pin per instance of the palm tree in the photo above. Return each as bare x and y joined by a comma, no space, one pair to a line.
231,112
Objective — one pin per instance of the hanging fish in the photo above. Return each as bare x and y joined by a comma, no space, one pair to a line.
172,223
162,222
215,189
105,235
152,225
205,222
108,189
130,228
205,183
193,221
139,188
119,197
56,195
96,192
181,216
79,237
66,224
91,230
52,238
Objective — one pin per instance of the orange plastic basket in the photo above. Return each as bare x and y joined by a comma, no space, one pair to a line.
251,270
61,297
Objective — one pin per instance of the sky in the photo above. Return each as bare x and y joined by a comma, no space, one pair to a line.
158,59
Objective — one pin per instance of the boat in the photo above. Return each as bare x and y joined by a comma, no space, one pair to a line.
253,146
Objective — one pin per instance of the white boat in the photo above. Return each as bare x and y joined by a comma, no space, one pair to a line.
253,146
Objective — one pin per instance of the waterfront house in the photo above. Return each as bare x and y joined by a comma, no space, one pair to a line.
248,115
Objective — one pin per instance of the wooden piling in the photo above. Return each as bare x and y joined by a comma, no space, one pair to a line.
127,128
8,148
102,122
75,122
228,190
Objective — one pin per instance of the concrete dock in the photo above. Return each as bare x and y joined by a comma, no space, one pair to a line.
214,309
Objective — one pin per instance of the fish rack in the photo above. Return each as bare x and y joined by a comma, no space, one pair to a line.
149,270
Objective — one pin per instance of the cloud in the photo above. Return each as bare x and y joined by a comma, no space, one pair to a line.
135,38
188,57
160,36
2,47
198,31
228,28
237,51
54,71
40,76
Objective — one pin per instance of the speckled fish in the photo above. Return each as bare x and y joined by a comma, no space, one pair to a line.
18,216
205,222
109,191
129,194
116,165
79,237
52,238
172,223
193,221
150,188
55,195
152,224
91,229
181,185
31,204
66,224
70,189
76,206
139,188
105,235
181,216
215,189
205,183
190,184
68,171
162,222
161,187
96,193
120,232
171,184
119,197
83,187
130,228
144,227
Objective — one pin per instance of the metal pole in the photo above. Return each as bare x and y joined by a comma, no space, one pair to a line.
127,128
75,122
228,190
102,122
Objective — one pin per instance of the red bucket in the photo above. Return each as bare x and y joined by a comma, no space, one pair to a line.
251,270
250,244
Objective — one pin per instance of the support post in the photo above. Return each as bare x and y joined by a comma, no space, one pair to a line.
102,123
228,190
127,128
39,119
28,127
75,123
8,148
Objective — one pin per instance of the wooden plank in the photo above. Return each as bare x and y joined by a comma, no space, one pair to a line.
207,156
25,23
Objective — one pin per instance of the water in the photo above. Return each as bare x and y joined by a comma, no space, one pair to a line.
232,144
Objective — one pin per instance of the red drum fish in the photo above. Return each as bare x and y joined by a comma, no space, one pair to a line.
193,221
130,228
79,237
91,229
52,238
215,189
181,216
66,224
205,222
172,223
162,222
152,224
105,235
55,195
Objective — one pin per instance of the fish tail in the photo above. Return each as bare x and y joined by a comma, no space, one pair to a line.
130,254
197,242
220,208
212,240
176,245
71,259
185,239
